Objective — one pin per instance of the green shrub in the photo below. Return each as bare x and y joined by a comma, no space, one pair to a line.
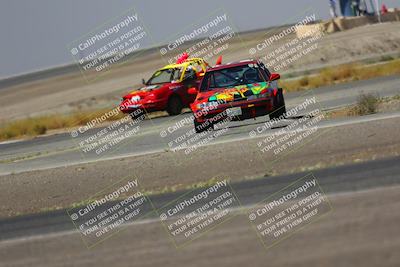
366,104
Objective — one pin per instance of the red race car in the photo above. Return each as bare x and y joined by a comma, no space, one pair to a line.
240,90
167,89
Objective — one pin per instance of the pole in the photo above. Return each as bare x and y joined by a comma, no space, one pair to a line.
372,6
378,10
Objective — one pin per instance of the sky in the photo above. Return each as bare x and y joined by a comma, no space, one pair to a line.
36,34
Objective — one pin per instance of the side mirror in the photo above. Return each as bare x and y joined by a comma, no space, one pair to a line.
274,77
143,81
192,91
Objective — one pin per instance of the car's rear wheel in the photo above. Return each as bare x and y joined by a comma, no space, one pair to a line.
174,106
202,126
279,106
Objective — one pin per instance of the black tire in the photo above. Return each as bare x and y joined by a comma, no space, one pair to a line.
202,126
137,114
279,106
174,106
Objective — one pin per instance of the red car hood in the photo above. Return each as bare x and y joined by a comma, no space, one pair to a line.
145,90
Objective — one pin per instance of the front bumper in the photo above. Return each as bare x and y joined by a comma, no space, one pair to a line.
250,109
149,105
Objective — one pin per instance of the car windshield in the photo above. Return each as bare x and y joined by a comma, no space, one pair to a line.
165,76
230,77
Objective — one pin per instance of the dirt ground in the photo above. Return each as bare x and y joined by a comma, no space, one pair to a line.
71,92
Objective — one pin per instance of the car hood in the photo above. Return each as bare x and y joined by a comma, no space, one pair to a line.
241,92
145,90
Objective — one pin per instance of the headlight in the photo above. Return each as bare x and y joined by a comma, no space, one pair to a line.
207,105
263,95
252,97
135,98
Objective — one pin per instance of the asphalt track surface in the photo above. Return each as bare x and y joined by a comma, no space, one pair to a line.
360,230
63,150
348,178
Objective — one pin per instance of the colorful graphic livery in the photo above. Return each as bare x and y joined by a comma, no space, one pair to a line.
249,91
240,90
167,89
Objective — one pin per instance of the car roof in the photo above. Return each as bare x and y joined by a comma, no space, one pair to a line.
233,64
183,64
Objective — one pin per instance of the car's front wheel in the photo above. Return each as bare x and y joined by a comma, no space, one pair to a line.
174,106
279,106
